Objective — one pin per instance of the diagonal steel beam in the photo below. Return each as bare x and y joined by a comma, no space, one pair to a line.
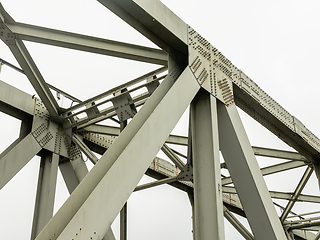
154,20
30,69
16,156
173,157
27,64
236,224
15,102
246,175
88,44
77,140
140,129
73,171
301,184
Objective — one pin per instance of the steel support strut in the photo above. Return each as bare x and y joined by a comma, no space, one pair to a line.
208,207
43,209
16,156
246,175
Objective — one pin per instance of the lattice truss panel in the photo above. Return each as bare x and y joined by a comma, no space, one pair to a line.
121,131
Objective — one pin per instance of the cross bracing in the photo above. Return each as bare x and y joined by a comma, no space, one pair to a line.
211,84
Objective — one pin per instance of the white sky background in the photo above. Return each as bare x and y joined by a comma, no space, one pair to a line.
276,43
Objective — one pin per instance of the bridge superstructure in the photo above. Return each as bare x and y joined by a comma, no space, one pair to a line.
193,74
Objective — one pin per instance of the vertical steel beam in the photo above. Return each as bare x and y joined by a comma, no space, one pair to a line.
123,222
208,207
43,209
302,183
317,171
245,172
123,212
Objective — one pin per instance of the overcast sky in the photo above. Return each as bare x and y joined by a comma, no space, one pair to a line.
276,43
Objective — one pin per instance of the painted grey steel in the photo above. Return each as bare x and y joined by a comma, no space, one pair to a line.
48,128
275,153
245,172
235,222
271,170
281,195
298,190
16,156
3,62
156,183
43,210
208,208
159,100
24,59
87,43
78,141
15,102
172,156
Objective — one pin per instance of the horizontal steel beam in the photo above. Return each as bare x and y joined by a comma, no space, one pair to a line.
280,195
275,153
88,44
271,170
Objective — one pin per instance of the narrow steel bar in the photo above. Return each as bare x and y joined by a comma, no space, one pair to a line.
208,207
302,220
88,44
303,214
317,237
78,141
123,212
275,153
123,222
302,225
11,65
281,195
302,183
172,156
16,156
67,95
156,183
44,204
246,175
236,224
272,169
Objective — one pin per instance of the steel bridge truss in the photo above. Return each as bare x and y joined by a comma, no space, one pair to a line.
213,88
